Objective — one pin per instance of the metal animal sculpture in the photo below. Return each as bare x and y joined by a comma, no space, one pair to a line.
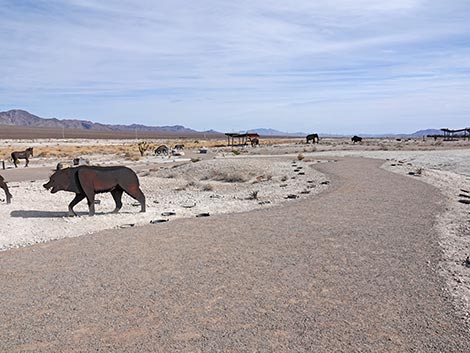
254,142
162,150
3,185
87,181
22,155
355,139
313,137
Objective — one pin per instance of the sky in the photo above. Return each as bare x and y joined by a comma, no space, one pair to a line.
331,66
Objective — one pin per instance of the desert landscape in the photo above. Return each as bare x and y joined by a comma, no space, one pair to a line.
229,180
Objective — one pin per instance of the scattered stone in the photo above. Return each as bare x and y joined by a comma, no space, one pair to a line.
393,164
283,185
465,202
264,202
411,173
204,214
467,262
129,225
292,196
155,201
301,173
135,204
189,206
155,221
166,214
464,195
326,182
310,181
305,192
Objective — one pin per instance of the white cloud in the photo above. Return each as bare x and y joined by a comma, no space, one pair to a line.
232,63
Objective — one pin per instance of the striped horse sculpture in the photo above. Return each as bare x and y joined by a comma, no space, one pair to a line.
17,155
162,150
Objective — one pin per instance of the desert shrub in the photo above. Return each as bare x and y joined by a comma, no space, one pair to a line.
208,187
253,195
228,177
236,152
143,147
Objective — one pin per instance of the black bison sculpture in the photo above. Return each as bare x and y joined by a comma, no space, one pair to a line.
355,139
87,181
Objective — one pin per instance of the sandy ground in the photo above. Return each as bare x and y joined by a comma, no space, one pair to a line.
221,184
224,183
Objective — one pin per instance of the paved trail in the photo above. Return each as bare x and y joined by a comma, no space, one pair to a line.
343,271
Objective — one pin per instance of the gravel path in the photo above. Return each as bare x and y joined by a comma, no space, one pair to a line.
353,269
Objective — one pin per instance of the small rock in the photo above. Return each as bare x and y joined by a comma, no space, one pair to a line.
135,204
310,181
305,192
464,195
204,214
292,196
283,185
155,221
411,173
301,173
264,202
467,262
155,201
166,214
189,206
129,225
465,202
325,182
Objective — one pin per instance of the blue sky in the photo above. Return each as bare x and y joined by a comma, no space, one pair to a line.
339,66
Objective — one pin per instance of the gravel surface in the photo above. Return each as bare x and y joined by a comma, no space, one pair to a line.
353,269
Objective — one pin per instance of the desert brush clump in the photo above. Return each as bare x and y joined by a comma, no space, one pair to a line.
143,147
253,195
228,176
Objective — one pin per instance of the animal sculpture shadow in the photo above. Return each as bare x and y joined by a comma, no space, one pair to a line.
87,181
4,186
22,155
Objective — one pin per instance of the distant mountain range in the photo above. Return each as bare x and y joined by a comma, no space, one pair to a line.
23,118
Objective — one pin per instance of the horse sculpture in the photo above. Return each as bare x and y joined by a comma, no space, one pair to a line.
4,186
17,155
254,142
355,139
313,137
162,150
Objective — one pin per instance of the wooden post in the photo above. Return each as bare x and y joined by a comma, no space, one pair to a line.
3,165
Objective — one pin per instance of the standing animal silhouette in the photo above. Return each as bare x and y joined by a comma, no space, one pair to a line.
22,155
313,137
87,181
